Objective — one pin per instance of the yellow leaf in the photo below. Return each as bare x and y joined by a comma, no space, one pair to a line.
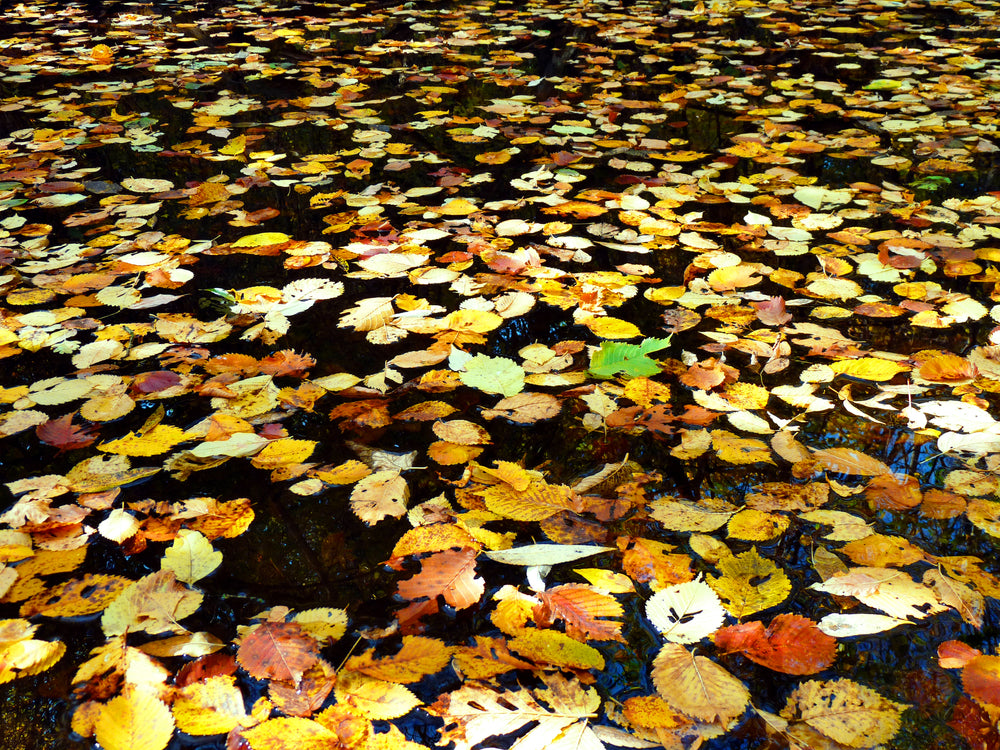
234,146
158,440
135,720
188,644
473,321
417,658
283,452
348,472
290,733
606,580
736,450
697,686
850,461
378,495
22,655
254,396
325,624
457,207
834,288
643,391
191,557
81,596
868,368
550,647
752,525
213,706
536,502
153,604
844,711
612,328
749,583
374,699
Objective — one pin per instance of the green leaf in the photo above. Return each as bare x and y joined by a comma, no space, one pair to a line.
614,357
493,375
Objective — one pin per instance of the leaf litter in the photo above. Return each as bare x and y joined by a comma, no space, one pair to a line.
706,290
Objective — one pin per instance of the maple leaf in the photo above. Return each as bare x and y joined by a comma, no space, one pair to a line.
450,574
61,433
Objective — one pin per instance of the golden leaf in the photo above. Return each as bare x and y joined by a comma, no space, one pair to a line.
749,583
158,440
154,604
537,501
325,624
290,733
752,525
135,720
213,706
736,450
191,557
850,461
868,368
373,698
417,658
283,452
612,328
844,711
81,596
697,686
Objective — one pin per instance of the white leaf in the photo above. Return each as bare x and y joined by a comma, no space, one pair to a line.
687,612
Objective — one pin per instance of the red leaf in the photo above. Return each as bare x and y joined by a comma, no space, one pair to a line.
61,433
151,382
973,724
791,644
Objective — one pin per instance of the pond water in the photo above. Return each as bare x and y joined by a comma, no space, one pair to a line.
350,236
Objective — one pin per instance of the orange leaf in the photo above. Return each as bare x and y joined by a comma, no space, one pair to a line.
277,651
450,574
981,679
583,610
791,644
